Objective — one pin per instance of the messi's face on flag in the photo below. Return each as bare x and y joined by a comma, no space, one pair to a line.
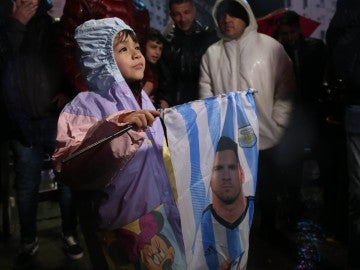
203,173
227,177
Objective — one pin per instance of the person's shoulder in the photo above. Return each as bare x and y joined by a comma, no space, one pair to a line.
266,38
264,42
203,29
82,101
213,49
211,35
311,41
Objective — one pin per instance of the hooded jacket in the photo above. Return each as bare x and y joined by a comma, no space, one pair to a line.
343,40
254,61
129,170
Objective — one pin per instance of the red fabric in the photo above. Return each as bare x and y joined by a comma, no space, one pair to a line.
78,11
151,76
267,24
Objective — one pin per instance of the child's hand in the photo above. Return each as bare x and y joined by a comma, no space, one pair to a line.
142,119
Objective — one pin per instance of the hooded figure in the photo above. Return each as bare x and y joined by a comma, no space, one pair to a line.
243,59
129,172
253,60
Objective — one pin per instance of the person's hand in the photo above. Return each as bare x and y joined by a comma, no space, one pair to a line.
142,119
148,87
152,98
163,104
225,265
24,10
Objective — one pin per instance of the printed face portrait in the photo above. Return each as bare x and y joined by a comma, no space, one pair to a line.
227,177
128,57
231,27
153,51
158,254
183,15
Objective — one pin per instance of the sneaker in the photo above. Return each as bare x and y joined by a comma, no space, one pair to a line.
26,253
72,248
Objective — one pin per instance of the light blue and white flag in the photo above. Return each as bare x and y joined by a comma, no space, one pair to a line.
193,131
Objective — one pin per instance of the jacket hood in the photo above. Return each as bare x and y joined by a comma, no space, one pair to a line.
252,20
95,40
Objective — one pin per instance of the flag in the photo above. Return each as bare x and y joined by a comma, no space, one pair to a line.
193,132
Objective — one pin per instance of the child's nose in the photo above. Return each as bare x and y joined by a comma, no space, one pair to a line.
136,54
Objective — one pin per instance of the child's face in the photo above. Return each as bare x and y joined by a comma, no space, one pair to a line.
153,51
129,58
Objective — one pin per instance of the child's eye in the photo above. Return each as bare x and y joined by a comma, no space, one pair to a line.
123,49
137,48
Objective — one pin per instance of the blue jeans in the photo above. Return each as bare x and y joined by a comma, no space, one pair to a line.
28,162
352,122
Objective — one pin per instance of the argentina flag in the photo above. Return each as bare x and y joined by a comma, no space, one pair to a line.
213,146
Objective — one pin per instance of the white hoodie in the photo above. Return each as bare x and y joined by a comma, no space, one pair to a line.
254,61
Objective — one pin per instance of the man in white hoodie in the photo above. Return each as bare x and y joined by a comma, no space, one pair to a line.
242,59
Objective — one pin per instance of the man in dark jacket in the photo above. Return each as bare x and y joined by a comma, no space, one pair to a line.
309,56
31,97
343,39
188,41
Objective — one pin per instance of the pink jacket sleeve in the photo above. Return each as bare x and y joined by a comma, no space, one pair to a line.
95,168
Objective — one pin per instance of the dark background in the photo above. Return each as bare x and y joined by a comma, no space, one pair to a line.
261,7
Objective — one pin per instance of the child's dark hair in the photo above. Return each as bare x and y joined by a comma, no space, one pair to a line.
155,35
122,35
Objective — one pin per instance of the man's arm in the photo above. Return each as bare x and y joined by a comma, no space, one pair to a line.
285,87
205,87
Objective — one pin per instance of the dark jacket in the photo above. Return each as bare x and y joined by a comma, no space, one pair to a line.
77,12
183,55
29,78
343,39
309,56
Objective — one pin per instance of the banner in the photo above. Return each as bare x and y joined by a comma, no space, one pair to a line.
213,145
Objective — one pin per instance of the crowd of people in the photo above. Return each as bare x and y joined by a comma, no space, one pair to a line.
66,84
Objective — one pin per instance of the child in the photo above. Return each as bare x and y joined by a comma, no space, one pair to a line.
156,79
122,181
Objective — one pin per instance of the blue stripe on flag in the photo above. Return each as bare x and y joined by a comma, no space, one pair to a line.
233,242
214,120
197,187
